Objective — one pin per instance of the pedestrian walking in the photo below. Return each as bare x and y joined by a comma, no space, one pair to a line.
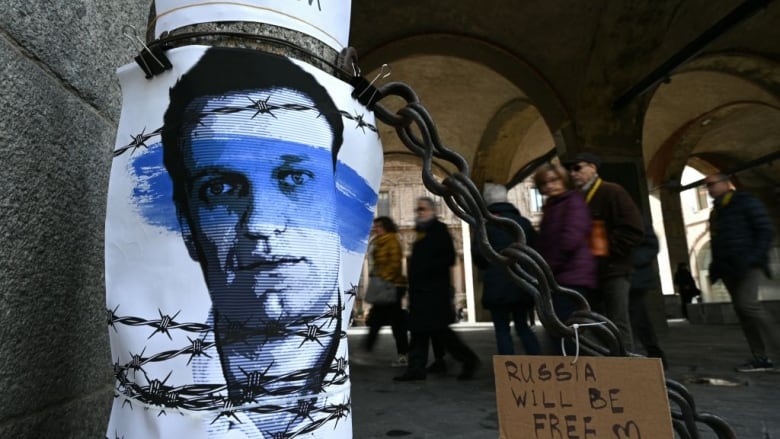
741,235
431,306
385,263
564,236
504,298
617,230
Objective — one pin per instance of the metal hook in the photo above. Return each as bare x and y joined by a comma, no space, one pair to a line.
355,70
384,72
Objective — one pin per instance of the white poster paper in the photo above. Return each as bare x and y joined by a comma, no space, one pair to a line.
241,196
325,20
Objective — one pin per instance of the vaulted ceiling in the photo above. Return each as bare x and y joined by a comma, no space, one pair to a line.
506,81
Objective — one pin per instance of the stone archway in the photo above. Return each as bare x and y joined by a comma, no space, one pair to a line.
496,64
717,112
515,136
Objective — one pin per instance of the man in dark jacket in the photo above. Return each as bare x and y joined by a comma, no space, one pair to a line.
645,278
613,210
741,235
431,308
500,294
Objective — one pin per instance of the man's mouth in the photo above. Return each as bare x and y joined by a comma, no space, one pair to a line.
272,263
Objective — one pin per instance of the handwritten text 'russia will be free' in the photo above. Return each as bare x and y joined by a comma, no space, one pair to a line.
565,401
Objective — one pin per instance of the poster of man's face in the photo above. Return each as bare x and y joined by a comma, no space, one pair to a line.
260,184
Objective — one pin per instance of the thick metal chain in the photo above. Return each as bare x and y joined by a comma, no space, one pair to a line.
527,268
417,131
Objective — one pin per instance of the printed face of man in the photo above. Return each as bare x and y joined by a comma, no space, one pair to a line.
260,218
581,173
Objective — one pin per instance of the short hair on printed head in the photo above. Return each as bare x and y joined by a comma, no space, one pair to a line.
225,71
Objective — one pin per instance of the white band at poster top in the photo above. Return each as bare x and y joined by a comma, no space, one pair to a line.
325,20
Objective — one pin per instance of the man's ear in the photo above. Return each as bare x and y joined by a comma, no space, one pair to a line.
186,234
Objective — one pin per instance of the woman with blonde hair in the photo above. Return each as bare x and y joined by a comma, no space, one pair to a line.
564,235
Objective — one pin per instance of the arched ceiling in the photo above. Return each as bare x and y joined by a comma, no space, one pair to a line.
478,113
504,79
747,132
461,95
506,137
688,96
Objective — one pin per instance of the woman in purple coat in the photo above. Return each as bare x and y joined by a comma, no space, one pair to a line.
564,235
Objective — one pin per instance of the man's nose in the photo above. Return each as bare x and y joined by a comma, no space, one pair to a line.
264,219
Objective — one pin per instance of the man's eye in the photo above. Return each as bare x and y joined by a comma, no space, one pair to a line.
219,188
291,179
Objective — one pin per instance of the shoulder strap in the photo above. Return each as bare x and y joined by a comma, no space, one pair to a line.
593,189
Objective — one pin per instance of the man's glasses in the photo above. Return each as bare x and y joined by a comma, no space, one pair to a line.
421,209
576,168
713,183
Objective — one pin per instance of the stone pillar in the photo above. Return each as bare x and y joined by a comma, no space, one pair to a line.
471,303
60,101
674,226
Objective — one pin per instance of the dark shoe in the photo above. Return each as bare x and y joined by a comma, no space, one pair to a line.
410,376
469,368
757,365
438,367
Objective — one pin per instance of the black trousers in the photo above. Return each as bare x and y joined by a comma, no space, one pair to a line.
437,344
393,315
452,343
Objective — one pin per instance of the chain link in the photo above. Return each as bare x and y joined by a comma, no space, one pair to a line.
416,129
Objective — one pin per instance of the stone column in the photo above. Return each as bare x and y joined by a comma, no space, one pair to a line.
60,105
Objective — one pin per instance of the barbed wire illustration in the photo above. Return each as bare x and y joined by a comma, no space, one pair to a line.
260,107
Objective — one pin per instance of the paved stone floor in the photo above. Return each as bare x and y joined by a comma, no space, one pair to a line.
442,407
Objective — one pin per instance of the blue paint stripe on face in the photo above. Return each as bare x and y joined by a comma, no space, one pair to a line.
153,195
262,181
355,199
153,191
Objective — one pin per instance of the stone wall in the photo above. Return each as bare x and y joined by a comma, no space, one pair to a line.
60,105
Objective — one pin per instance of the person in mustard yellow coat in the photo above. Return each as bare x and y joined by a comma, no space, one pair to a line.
386,257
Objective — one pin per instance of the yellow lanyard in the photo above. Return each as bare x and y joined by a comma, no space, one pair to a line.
727,199
593,190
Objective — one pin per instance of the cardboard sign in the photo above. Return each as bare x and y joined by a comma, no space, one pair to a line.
543,397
